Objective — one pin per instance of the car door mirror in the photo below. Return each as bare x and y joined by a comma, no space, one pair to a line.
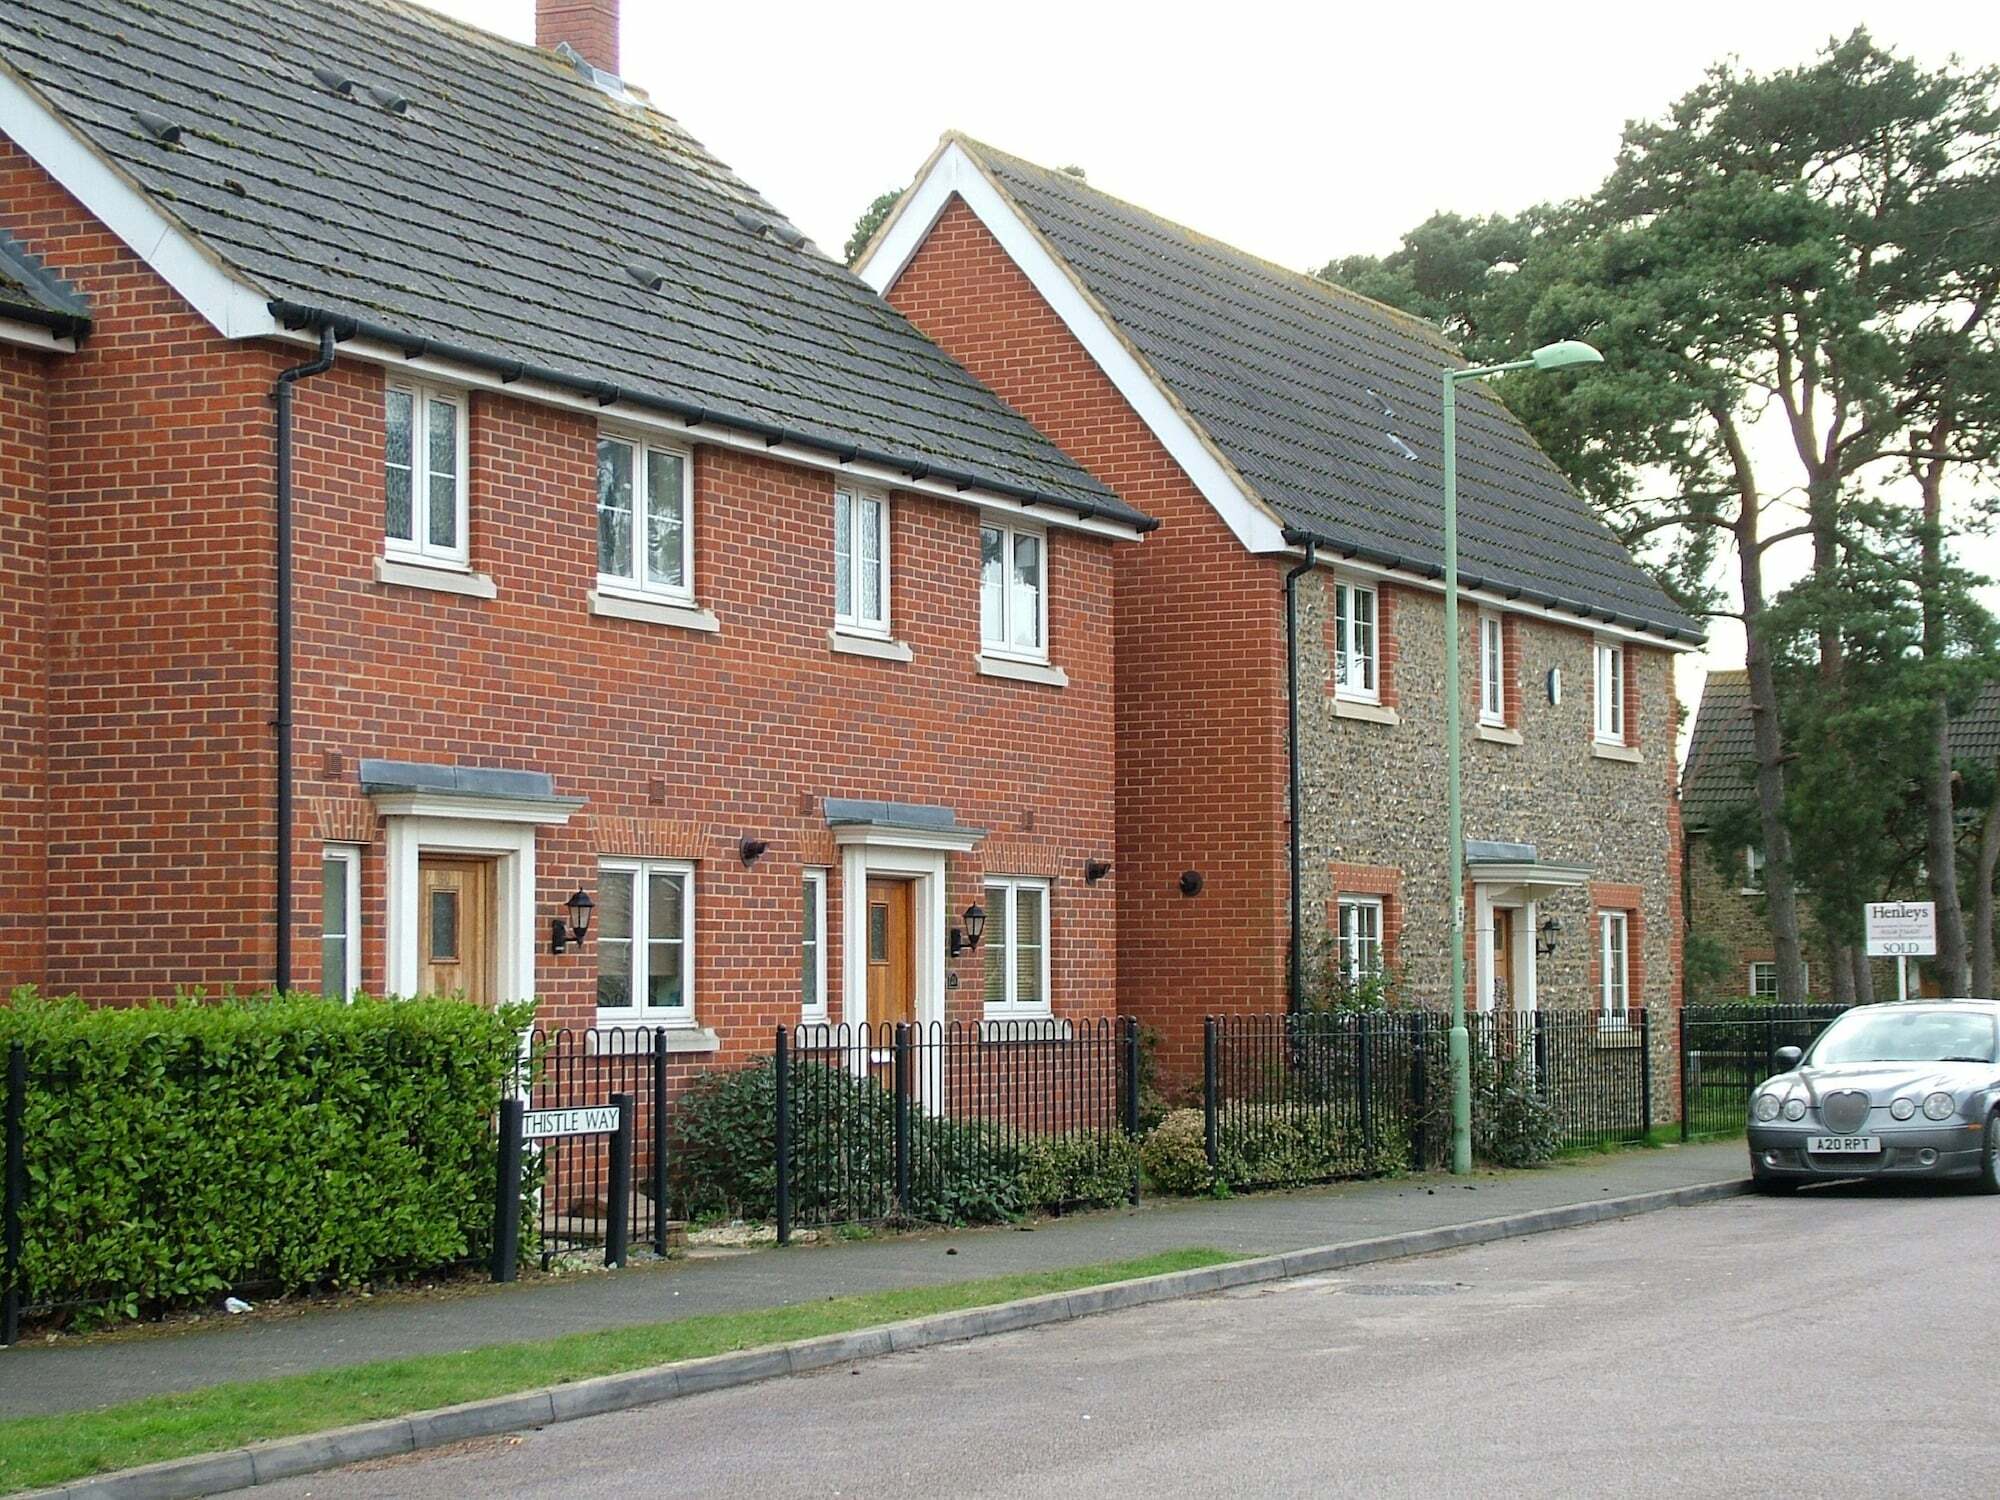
1787,1058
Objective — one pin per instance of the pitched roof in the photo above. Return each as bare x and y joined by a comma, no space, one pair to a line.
420,179
1328,404
31,293
1975,734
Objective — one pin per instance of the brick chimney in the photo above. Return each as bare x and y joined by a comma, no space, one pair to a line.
590,26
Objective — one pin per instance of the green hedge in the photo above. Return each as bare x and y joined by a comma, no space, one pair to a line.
179,1149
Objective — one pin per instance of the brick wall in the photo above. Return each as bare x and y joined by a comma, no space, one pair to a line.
1200,638
24,655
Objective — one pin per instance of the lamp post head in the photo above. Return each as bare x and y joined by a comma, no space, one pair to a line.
1567,352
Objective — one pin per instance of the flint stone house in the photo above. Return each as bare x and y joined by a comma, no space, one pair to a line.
1725,882
636,547
1258,413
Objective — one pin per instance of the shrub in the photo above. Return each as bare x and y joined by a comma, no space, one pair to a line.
178,1149
1268,1146
1512,1124
1092,1170
1174,1154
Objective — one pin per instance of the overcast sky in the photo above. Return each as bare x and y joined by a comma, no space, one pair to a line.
1296,134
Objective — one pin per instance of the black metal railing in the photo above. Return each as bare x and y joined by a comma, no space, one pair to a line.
953,1123
1593,1072
1727,1050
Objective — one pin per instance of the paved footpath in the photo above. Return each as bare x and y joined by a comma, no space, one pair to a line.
78,1374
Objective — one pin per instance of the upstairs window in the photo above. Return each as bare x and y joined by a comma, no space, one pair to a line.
1753,868
1356,663
424,467
1013,591
1609,693
861,562
1492,671
645,532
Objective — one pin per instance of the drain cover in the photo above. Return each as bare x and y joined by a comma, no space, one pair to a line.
1404,1288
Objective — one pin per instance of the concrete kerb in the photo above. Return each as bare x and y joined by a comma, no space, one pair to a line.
217,1473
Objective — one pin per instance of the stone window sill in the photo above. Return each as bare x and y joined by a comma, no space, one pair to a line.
679,1038
1629,754
439,580
653,612
1498,734
1365,713
1024,1028
848,643
1022,671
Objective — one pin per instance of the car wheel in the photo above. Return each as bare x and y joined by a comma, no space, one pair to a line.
1989,1156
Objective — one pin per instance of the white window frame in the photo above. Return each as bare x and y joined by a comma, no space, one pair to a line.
418,548
1769,966
1618,1015
1608,704
814,891
853,621
1004,647
638,1012
636,585
1350,909
1345,656
1753,869
1006,888
348,857
1492,669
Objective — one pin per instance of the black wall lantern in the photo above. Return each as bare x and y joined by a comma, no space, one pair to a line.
1095,870
564,935
965,939
1545,943
751,849
1191,882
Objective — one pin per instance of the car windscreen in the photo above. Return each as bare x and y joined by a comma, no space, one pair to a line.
1869,1035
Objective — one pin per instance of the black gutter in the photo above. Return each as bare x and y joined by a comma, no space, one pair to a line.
1292,955
607,393
282,394
1295,536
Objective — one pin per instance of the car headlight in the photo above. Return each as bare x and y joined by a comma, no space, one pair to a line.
1939,1107
1766,1107
1902,1109
1795,1108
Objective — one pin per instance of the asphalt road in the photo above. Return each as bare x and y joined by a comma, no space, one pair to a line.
1837,1343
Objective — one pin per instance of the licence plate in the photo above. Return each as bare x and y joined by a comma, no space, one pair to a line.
1844,1145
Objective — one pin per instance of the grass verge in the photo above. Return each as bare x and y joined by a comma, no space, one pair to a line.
47,1450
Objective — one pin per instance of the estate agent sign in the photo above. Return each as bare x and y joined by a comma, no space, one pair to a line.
1902,929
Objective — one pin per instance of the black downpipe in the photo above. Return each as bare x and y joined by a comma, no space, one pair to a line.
1292,956
282,394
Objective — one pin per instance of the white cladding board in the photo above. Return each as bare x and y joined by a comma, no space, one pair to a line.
542,1124
1902,929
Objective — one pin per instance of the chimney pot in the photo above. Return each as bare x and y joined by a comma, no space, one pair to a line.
590,26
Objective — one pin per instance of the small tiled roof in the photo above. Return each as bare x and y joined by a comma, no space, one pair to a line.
1975,734
1328,404
31,293
415,178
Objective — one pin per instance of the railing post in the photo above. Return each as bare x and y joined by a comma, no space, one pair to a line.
1365,1078
1645,1073
15,1195
1208,1100
1541,1025
660,1214
782,1130
618,1208
1128,1027
1681,1057
507,1192
1420,1139
902,1087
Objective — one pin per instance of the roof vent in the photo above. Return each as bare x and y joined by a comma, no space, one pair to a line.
786,235
650,277
754,223
334,82
159,127
394,103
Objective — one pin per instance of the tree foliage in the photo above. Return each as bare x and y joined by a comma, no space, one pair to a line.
871,220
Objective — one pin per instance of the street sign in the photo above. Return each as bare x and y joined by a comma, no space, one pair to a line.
1902,929
544,1124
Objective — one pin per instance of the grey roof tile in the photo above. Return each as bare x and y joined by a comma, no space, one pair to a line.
499,215
30,292
1328,404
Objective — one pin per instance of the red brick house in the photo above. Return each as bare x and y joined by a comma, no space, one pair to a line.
431,484
1287,434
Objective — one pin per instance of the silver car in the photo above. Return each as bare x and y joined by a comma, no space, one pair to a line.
1908,1089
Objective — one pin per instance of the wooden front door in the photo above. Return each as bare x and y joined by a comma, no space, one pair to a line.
892,991
455,927
1506,993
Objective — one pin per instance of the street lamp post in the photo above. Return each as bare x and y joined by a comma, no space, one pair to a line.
1548,357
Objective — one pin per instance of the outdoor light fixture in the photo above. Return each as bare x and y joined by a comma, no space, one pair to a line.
1191,882
751,849
965,939
563,935
1095,870
1545,946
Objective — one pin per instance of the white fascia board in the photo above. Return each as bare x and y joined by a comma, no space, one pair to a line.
713,433
1500,603
35,336
233,307
952,170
